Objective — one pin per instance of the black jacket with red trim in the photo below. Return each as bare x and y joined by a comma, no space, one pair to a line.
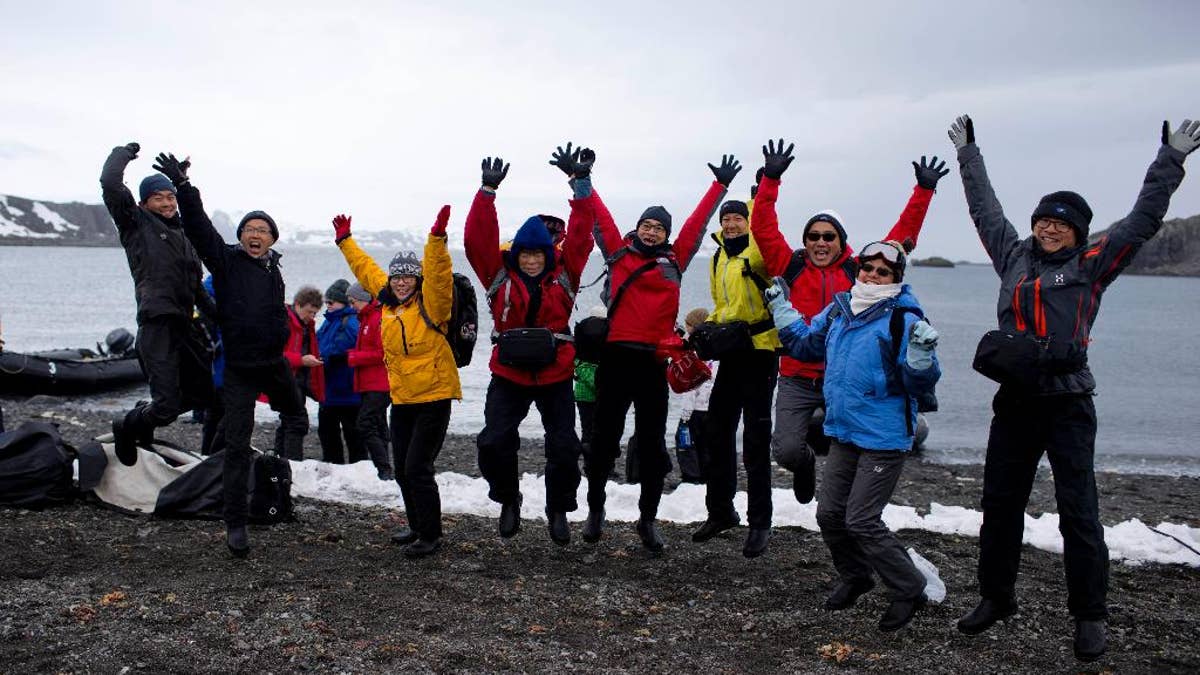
1055,297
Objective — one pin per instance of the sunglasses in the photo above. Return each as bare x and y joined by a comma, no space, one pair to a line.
817,236
879,270
879,249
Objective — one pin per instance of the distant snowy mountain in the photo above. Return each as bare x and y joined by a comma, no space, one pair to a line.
386,239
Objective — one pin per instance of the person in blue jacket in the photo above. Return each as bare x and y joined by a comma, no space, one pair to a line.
212,435
337,417
872,383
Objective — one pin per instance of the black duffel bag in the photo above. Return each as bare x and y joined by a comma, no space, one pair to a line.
1020,361
715,341
527,348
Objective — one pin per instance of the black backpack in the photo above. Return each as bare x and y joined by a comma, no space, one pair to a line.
462,331
270,489
590,334
35,467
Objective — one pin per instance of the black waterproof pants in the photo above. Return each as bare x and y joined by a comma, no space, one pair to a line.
629,376
506,407
212,434
373,428
178,369
335,422
743,389
1023,428
293,427
587,418
418,431
242,387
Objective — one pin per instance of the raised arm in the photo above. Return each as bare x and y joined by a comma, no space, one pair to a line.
119,200
437,286
908,226
1108,257
196,225
481,235
764,221
577,244
999,237
687,242
604,228
366,271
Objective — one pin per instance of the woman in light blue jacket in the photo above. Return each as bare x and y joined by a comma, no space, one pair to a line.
879,366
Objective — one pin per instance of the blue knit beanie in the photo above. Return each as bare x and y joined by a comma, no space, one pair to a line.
155,182
532,236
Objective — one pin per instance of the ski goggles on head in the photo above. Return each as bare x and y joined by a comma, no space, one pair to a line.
882,249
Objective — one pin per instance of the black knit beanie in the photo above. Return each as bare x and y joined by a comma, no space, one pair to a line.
1066,206
258,215
734,206
658,213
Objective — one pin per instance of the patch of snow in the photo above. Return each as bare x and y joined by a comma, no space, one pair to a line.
56,221
9,207
10,229
1131,541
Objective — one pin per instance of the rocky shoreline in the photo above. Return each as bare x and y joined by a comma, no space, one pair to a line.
88,589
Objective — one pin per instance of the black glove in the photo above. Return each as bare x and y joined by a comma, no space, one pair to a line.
757,179
135,148
728,169
929,174
494,171
565,160
776,159
583,164
172,168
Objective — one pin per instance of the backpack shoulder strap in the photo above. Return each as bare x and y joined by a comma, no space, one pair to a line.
896,329
649,265
425,316
850,267
795,266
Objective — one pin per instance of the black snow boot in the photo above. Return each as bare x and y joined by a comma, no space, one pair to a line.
593,527
900,612
756,542
560,532
237,540
985,614
422,547
1091,639
403,536
124,441
846,593
714,526
510,518
648,533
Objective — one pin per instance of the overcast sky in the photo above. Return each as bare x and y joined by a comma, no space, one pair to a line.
384,110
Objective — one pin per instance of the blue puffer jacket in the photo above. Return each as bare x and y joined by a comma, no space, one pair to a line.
336,336
865,401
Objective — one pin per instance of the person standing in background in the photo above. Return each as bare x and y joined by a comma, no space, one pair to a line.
301,352
337,417
693,415
370,380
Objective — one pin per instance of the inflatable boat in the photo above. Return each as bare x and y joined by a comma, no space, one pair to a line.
72,371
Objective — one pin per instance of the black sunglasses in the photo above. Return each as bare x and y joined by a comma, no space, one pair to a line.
827,236
880,270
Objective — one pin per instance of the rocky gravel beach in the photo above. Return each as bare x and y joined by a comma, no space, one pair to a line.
87,589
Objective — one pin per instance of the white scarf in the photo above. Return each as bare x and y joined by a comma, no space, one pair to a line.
864,296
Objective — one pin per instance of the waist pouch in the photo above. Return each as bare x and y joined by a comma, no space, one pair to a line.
714,341
527,348
1021,361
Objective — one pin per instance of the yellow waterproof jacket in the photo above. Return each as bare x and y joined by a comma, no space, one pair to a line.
419,362
735,295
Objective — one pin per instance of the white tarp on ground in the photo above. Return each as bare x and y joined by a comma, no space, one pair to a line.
1130,541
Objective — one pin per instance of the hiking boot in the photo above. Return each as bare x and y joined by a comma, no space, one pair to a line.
124,443
237,540
804,480
510,518
986,613
560,532
593,528
403,536
422,547
648,533
1091,639
712,527
387,474
900,612
756,542
846,593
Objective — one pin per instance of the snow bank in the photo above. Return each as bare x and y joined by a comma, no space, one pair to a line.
1131,541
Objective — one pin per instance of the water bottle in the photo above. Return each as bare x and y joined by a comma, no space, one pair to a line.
683,436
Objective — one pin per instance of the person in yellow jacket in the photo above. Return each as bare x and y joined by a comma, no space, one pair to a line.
417,298
744,384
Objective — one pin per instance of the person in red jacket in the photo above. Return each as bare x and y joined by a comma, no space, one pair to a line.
815,273
371,380
642,295
302,354
530,292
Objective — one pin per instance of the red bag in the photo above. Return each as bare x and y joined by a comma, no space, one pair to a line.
686,371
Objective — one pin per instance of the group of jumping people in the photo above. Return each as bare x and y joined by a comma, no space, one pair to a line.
832,329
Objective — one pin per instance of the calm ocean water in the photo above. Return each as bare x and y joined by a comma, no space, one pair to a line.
1144,355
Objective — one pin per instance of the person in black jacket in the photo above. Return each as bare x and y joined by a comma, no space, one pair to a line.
166,278
1050,289
253,323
